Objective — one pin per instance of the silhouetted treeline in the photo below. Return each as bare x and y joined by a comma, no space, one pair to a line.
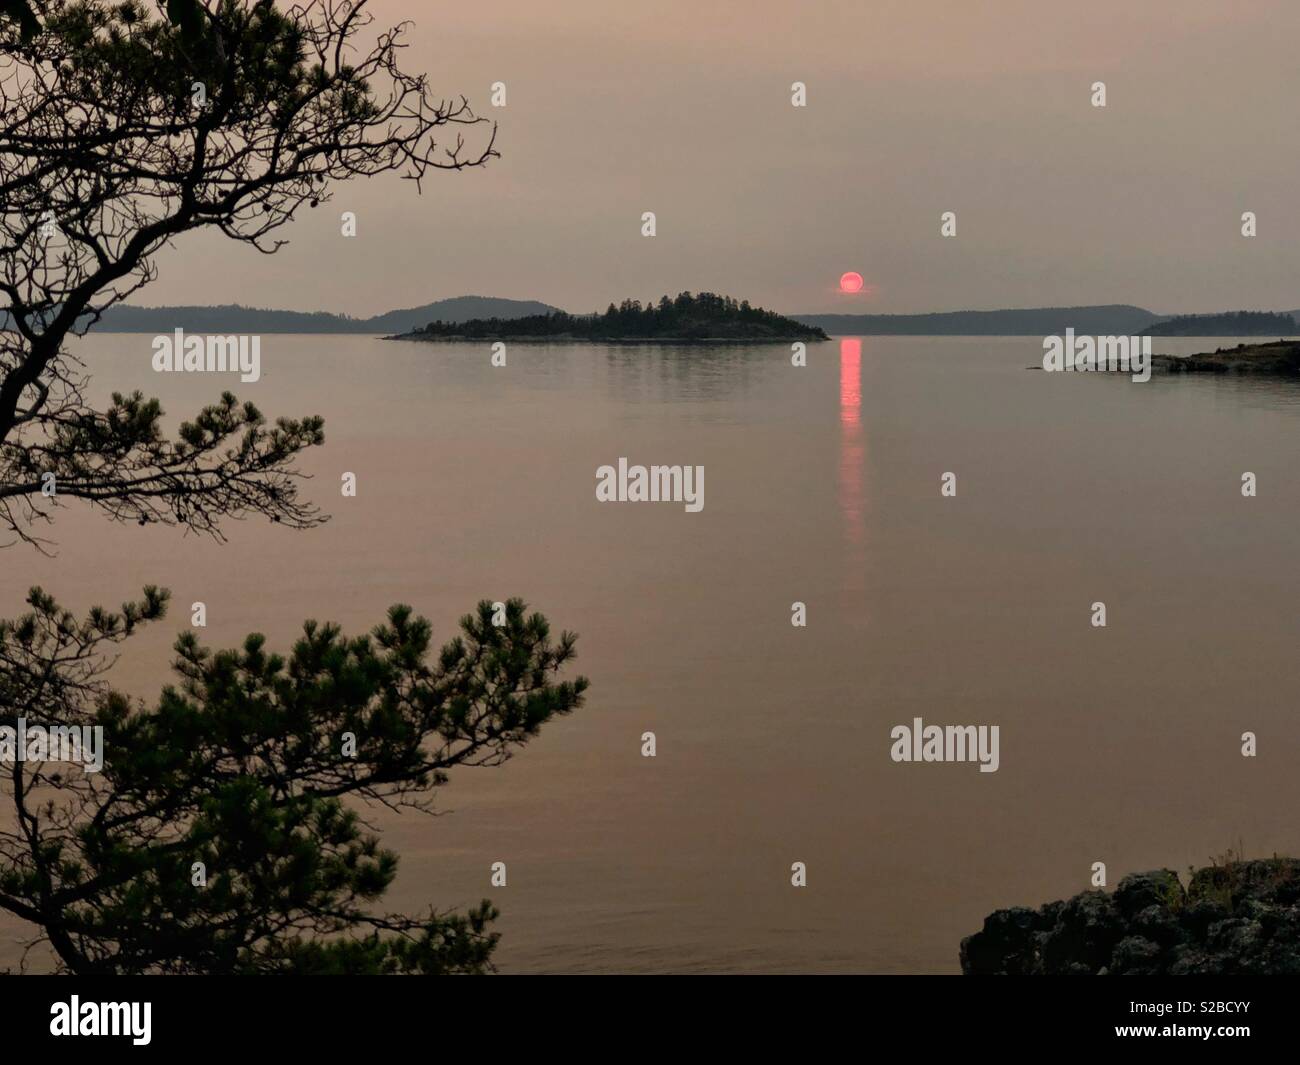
1229,324
233,318
699,316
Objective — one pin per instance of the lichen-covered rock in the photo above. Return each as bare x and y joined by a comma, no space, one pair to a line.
1139,891
1135,956
1086,931
1008,940
1238,917
1158,924
1199,915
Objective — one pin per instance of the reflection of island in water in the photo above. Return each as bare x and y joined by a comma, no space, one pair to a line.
1256,375
700,318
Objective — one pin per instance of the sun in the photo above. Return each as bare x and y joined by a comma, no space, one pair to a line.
851,282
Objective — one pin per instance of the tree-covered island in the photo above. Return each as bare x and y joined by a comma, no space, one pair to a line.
688,318
1228,324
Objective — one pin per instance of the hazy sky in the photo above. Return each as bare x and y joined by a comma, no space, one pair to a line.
915,107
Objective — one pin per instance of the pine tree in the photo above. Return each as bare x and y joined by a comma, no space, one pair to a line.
241,771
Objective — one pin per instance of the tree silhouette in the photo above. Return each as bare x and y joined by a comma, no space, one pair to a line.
219,835
688,317
119,132
242,768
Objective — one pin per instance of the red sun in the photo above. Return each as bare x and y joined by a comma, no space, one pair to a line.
851,282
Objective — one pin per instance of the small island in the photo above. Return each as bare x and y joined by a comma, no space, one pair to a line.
1278,357
687,319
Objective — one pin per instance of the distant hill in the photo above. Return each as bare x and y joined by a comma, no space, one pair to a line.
459,309
698,317
234,318
1228,324
1108,320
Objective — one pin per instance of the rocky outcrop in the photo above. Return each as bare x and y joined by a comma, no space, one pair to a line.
1278,357
1239,917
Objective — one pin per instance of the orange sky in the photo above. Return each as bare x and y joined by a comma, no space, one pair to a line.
915,107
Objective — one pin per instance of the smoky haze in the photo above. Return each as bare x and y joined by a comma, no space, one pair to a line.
914,108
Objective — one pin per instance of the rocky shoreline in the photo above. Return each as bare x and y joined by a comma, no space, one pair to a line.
1276,357
1238,917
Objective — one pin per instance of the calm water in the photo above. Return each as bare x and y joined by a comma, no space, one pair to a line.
1118,744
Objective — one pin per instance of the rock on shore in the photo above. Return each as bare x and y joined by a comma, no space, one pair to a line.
1277,357
1239,918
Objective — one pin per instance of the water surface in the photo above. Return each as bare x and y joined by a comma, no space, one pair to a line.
1119,745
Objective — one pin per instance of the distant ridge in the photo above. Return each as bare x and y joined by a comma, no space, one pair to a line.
1227,324
1116,319
234,318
